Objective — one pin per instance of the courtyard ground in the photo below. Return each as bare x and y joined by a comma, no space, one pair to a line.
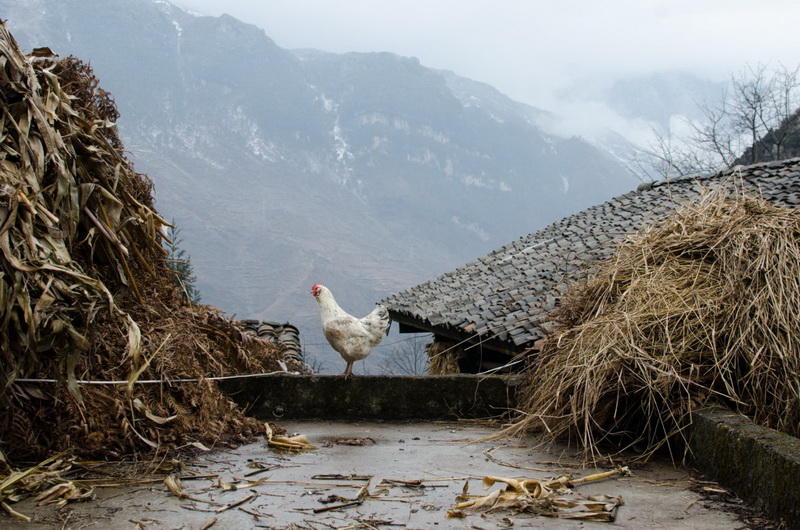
416,469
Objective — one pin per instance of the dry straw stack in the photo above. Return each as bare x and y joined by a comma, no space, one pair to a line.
442,357
704,306
84,291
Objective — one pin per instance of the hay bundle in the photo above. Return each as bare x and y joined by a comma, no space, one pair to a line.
443,357
703,306
84,289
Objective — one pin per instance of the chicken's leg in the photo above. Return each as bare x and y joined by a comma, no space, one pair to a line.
349,370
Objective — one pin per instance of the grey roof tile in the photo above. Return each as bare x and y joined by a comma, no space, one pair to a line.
515,287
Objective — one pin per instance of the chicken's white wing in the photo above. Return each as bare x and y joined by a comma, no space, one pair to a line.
348,336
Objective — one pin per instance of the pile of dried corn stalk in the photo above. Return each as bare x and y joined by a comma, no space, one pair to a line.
550,498
85,293
703,306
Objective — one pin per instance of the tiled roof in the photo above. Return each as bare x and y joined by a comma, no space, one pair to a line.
508,294
285,335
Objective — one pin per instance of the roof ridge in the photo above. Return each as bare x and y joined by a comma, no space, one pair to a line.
731,171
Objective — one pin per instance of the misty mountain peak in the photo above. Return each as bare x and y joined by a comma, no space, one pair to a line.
369,171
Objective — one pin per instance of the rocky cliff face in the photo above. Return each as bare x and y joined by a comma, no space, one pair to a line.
367,172
780,144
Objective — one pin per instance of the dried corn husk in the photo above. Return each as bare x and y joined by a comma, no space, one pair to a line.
544,498
289,443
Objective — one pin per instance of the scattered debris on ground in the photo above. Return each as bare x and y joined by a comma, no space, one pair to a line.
40,479
548,498
700,307
349,441
62,479
297,443
712,495
410,484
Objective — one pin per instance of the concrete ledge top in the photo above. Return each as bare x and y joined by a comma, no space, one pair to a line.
377,378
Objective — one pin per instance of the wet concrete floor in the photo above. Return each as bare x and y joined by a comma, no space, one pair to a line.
656,496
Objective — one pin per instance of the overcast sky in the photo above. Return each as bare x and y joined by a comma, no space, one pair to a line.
528,49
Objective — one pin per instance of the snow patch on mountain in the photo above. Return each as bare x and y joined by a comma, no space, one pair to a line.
496,118
372,118
436,136
328,104
343,153
448,168
472,180
401,125
378,143
193,140
485,183
468,101
253,137
426,157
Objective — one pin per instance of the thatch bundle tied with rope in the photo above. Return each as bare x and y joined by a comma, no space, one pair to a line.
85,293
701,307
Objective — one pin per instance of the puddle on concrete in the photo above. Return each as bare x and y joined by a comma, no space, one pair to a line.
657,496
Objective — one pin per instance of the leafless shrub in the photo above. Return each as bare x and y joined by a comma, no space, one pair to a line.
752,121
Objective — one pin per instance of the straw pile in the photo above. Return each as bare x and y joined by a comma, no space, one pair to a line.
442,357
700,307
84,290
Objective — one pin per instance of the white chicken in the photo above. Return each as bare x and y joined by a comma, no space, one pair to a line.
354,338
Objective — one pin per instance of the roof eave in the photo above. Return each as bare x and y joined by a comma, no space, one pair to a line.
471,340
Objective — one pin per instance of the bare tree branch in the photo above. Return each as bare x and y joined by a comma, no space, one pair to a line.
407,358
752,121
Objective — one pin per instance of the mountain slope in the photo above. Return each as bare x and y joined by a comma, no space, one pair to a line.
656,97
368,172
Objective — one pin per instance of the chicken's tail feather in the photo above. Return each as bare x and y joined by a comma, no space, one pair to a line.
380,317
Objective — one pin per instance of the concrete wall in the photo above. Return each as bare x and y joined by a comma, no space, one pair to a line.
761,465
273,397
